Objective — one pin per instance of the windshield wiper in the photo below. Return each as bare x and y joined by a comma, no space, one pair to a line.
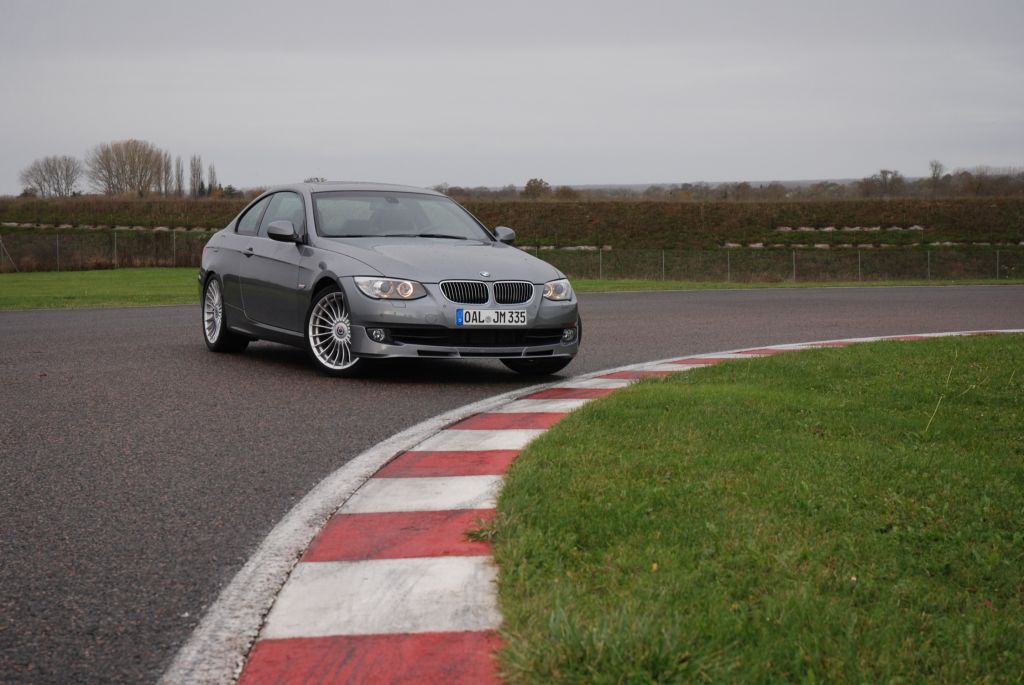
440,235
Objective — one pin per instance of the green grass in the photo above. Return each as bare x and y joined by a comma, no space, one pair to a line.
104,288
842,515
164,285
627,285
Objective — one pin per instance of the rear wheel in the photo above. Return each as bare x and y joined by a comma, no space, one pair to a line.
329,334
215,331
537,367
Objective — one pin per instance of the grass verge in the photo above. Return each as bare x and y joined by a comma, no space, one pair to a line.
103,288
846,515
165,285
627,285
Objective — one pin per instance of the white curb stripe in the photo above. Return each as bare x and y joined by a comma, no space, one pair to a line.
381,495
601,383
474,440
671,368
531,406
386,596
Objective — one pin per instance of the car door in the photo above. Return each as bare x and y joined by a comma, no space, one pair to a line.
235,244
270,290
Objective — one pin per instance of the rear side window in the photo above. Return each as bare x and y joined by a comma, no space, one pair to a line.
285,207
250,221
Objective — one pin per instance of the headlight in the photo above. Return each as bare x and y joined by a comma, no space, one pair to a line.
558,290
390,288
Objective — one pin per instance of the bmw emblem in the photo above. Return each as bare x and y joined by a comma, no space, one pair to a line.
485,274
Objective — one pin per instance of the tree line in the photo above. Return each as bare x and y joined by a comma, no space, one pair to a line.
981,181
123,167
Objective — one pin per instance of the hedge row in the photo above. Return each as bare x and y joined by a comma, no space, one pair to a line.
634,224
707,225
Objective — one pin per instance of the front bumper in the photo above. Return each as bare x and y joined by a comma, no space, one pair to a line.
426,328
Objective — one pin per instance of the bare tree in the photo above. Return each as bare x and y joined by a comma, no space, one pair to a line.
196,188
213,180
168,178
937,170
53,176
124,166
179,177
886,183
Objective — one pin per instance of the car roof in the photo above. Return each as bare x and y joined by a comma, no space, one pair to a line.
328,186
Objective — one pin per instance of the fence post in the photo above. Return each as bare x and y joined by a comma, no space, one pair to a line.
860,273
600,263
115,249
728,266
663,266
794,266
929,265
997,265
174,248
58,250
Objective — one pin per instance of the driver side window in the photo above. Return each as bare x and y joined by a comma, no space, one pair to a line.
284,207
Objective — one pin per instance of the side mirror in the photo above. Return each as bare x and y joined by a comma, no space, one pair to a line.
504,234
283,231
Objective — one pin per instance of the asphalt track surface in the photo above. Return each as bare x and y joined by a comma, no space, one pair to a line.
139,471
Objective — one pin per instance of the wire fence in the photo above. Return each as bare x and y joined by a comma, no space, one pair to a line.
79,250
82,250
746,265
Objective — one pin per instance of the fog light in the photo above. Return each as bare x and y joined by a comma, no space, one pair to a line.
377,334
568,335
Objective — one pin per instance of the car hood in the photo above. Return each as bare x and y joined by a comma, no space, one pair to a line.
430,260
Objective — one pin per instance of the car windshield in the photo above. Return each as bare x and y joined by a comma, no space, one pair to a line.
375,214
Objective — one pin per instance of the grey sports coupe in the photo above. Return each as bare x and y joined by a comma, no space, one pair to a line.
355,271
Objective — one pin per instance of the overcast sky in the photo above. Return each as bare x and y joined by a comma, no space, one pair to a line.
488,93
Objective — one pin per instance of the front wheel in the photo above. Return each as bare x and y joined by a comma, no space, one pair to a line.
215,331
329,334
537,367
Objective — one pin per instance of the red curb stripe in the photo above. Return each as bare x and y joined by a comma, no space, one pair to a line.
450,658
509,421
570,394
704,360
636,374
440,464
909,337
404,535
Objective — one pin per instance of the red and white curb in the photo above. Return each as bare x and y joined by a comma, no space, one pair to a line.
391,589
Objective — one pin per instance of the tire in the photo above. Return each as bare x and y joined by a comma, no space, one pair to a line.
537,367
215,331
329,334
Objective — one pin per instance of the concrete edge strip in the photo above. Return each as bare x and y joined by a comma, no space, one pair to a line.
217,648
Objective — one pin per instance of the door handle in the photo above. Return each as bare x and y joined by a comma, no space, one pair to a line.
249,252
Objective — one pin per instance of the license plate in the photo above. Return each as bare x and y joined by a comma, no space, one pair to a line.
490,317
